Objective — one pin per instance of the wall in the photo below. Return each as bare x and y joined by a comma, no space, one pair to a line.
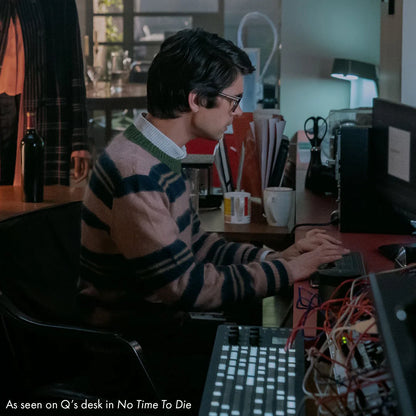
398,53
391,52
257,33
313,34
408,86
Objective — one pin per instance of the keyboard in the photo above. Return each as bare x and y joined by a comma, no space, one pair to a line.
349,266
250,373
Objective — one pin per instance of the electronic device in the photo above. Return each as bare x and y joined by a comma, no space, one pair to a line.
394,295
349,266
347,365
352,117
203,164
377,172
367,356
393,157
353,179
251,373
394,251
361,207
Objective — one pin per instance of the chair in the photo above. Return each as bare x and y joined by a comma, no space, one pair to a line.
45,350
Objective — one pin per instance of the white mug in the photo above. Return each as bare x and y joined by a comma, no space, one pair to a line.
278,205
237,207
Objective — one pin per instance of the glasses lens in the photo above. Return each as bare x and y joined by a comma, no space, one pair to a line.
235,105
235,101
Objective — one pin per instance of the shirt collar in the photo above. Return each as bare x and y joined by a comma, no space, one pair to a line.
157,138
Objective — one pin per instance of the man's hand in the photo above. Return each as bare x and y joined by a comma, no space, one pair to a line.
81,168
305,264
313,239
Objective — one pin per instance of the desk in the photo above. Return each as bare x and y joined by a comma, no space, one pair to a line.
131,96
11,203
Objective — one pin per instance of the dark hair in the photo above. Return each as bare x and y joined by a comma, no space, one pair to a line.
192,60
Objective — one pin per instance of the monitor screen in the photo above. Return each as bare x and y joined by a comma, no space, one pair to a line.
392,156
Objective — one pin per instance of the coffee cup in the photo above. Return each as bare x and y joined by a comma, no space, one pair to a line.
278,204
237,207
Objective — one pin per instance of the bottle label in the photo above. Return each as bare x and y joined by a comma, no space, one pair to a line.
30,121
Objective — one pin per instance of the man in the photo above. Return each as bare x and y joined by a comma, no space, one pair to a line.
41,71
145,260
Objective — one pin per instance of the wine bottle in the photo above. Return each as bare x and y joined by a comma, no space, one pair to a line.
33,154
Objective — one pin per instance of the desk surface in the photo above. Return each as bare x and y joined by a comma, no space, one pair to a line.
257,232
11,203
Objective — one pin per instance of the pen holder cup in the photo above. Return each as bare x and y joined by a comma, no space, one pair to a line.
237,207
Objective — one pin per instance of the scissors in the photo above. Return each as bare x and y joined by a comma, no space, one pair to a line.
318,123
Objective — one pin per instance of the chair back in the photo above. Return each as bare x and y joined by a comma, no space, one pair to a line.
39,261
45,349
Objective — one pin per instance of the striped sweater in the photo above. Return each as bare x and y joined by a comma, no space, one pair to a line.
143,251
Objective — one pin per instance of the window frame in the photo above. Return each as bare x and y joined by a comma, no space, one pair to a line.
213,22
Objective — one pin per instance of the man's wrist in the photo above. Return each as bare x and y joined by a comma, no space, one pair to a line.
297,248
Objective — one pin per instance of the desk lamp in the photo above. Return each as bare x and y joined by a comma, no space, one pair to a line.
363,78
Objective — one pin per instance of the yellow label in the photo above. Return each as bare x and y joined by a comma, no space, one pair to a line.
227,206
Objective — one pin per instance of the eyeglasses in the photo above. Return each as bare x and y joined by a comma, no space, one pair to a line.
233,99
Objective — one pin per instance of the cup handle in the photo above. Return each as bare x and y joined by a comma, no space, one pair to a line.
268,207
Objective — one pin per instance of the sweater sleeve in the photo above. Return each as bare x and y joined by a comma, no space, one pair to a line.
167,270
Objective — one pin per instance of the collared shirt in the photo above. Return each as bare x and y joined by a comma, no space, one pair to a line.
160,140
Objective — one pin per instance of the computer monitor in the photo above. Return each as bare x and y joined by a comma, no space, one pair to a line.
392,158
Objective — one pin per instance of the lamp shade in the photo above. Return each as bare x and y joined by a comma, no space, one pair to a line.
349,69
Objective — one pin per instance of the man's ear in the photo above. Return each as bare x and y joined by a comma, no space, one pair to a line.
193,101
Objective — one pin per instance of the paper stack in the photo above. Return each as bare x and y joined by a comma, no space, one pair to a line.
267,128
261,150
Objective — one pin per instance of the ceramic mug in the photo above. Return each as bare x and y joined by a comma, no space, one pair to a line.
278,205
237,207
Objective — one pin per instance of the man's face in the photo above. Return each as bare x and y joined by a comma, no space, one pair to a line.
211,123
